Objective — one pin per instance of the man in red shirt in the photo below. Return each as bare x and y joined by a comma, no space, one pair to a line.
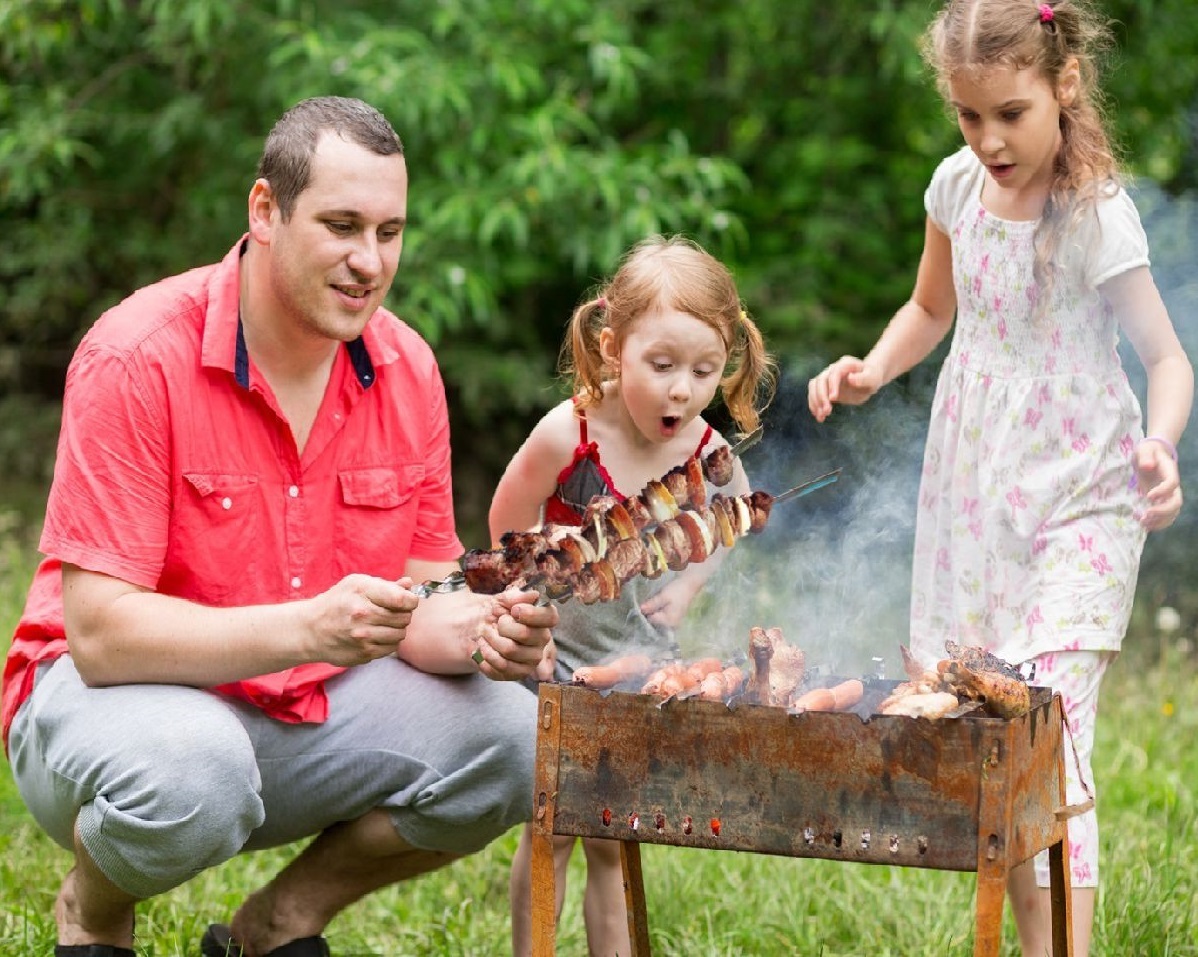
222,650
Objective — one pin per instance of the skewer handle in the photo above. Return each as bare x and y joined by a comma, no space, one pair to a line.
743,445
800,490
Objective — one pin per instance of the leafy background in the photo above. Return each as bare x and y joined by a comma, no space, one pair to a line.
794,139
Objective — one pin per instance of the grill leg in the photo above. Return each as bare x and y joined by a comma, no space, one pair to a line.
992,890
634,897
544,895
1061,893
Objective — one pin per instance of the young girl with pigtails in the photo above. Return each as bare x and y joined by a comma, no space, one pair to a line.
1039,479
646,356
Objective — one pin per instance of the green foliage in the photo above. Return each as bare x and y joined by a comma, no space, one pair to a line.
544,137
130,134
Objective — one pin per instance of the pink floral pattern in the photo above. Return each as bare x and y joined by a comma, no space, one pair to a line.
1076,677
1024,491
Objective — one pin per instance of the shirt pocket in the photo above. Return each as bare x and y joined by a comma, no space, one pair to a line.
221,531
223,491
380,507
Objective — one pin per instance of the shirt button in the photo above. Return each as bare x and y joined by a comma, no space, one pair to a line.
295,582
226,503
293,491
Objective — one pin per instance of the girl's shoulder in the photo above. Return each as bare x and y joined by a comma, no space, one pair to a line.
555,436
956,180
1107,237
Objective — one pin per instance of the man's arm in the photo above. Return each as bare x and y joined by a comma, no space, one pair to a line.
508,631
119,633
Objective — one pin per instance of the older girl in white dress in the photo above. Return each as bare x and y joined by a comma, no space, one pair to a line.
1039,480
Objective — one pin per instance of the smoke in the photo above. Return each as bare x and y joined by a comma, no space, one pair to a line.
833,569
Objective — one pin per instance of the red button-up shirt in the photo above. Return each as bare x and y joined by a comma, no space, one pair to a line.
176,471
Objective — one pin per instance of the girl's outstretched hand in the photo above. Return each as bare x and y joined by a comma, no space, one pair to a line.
848,380
1158,482
667,608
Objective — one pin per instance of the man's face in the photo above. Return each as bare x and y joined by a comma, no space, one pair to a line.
333,261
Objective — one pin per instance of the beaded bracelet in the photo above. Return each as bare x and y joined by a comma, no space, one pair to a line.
1169,446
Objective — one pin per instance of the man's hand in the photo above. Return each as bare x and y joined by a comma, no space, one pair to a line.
514,636
359,619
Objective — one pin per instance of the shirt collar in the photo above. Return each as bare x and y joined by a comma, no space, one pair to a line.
224,337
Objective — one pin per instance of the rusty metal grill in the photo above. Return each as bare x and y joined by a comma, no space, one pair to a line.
974,793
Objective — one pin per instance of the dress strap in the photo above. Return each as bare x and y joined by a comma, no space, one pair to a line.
703,441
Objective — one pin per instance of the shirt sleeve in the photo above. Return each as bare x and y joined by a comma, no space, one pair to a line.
1110,240
109,505
435,537
954,181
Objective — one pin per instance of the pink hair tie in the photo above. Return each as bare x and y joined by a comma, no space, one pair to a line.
1045,13
601,302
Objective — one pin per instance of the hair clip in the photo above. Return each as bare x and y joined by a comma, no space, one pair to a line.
601,302
1045,13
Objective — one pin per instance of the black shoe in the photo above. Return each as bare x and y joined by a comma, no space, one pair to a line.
218,942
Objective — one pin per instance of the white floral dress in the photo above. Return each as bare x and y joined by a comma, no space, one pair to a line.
1025,540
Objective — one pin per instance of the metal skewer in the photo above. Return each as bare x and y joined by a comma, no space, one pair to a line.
799,490
453,582
746,443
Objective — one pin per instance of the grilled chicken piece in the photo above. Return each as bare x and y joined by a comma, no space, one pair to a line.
778,666
1003,695
978,659
969,674
931,705
912,667
761,650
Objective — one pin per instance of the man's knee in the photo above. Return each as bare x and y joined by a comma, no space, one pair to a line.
194,811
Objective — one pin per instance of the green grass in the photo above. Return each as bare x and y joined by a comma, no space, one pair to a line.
705,903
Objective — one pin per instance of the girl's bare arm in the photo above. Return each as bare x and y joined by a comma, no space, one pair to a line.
915,330
1142,314
531,475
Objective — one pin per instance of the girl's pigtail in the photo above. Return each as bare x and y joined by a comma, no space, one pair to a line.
749,388
580,358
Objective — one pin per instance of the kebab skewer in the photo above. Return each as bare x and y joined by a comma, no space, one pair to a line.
606,518
593,567
609,549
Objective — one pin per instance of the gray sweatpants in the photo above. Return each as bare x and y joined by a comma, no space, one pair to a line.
166,781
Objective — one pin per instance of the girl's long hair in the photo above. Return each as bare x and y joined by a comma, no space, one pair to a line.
976,34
